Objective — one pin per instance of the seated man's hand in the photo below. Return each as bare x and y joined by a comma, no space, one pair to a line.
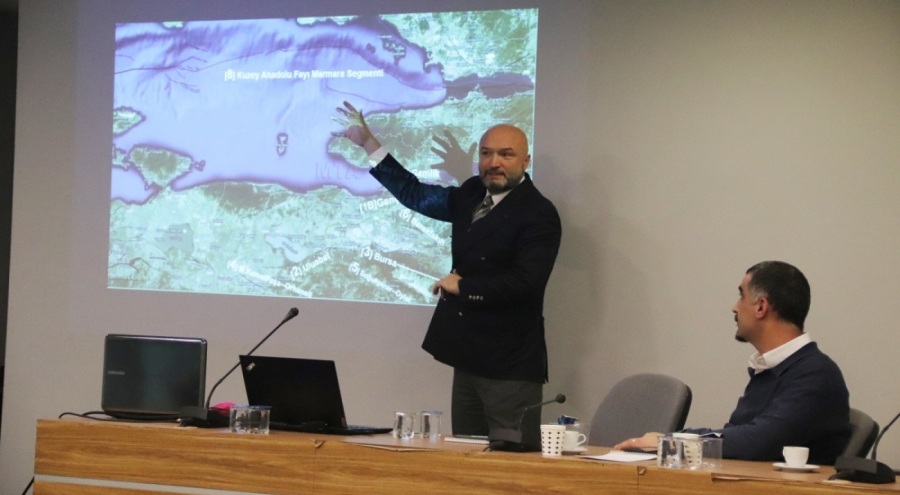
647,442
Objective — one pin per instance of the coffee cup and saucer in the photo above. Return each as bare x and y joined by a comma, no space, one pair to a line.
575,435
795,461
573,442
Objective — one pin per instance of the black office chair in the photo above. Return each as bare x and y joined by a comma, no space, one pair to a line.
639,404
863,431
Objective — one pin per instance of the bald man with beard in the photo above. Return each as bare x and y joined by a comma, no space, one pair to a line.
488,324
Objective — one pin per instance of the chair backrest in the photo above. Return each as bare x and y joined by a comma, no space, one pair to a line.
639,404
863,430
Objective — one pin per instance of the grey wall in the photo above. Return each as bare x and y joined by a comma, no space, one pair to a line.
682,141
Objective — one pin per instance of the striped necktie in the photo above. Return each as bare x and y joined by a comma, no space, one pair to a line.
483,208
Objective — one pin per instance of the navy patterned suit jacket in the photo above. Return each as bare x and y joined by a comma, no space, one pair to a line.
495,327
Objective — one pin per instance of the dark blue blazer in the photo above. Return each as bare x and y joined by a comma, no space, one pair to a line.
495,327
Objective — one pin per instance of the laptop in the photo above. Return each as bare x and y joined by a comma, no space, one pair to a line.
148,377
303,393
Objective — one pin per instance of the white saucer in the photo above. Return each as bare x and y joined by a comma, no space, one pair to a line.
577,450
798,469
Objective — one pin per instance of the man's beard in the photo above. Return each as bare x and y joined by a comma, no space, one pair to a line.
497,188
737,336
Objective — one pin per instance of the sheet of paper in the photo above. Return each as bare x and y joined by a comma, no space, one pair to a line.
621,456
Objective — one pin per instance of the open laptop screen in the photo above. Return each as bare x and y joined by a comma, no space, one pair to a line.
300,391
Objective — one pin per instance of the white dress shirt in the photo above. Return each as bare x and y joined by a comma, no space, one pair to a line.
761,362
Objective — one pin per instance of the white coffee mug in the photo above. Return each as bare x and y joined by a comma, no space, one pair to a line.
795,456
573,440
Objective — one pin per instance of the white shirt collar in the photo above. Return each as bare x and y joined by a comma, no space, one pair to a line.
761,362
499,197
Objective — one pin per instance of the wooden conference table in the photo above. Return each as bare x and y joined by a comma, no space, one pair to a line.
80,457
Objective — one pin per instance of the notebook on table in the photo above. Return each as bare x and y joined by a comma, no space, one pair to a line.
303,393
147,377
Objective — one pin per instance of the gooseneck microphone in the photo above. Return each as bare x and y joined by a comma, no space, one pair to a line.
205,417
510,440
291,314
877,440
866,470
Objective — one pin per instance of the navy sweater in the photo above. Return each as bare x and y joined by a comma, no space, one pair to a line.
803,401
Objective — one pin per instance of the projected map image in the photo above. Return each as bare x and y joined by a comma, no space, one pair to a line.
226,178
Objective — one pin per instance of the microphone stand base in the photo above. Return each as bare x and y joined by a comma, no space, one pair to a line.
863,471
201,417
507,440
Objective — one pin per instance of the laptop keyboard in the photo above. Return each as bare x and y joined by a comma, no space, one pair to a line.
321,427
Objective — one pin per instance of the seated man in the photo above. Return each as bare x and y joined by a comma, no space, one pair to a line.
796,395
